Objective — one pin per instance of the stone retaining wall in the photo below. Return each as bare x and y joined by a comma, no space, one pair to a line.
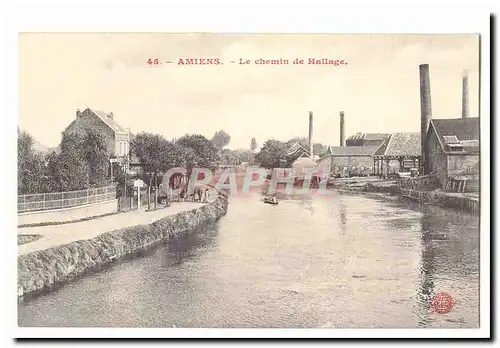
46,269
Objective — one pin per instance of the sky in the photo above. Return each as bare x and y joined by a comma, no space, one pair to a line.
378,88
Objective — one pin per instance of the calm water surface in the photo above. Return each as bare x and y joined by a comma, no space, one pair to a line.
329,261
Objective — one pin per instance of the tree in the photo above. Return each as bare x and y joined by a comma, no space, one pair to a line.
253,144
304,142
31,169
221,139
96,155
318,148
271,153
150,149
69,170
206,152
177,155
228,157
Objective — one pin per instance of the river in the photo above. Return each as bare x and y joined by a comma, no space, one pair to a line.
339,261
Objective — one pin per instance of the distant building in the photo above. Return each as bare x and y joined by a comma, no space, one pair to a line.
118,138
296,151
342,159
453,147
398,153
366,139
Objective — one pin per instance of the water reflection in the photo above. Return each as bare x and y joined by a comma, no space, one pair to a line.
322,261
426,289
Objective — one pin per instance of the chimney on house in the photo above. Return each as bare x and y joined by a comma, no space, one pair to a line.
311,134
465,94
425,114
110,115
78,113
342,129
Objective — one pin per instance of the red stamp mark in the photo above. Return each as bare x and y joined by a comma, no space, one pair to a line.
442,303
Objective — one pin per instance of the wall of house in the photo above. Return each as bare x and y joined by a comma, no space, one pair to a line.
336,163
121,144
458,163
437,158
325,165
87,120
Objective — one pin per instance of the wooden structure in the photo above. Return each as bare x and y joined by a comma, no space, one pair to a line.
453,149
348,160
403,148
421,183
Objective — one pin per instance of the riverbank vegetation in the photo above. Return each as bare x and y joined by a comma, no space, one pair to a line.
81,162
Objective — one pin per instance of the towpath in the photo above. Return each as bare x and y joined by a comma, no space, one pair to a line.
63,234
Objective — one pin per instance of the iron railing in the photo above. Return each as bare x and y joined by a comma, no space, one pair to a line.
61,200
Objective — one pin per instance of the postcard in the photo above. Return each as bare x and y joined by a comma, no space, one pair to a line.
187,180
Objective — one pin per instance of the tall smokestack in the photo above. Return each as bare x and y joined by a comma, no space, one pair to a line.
342,129
425,113
465,95
311,134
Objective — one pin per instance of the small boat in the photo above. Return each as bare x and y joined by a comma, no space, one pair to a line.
270,200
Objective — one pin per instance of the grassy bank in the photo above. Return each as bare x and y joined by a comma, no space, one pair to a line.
46,269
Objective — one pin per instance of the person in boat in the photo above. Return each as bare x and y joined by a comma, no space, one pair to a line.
273,199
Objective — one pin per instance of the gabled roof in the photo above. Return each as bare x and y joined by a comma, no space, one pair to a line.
375,136
344,151
369,136
295,146
465,130
450,139
108,120
355,136
400,144
298,153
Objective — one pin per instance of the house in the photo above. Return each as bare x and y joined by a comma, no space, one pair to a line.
117,137
295,152
398,153
342,159
453,148
366,139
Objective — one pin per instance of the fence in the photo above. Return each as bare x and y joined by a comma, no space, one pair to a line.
421,183
60,200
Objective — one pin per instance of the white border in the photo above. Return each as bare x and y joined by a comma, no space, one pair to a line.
423,17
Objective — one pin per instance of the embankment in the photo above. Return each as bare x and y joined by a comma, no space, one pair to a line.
439,198
443,199
47,269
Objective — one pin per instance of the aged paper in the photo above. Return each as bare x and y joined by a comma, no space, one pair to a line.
206,180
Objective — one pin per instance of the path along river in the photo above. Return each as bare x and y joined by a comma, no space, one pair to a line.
334,260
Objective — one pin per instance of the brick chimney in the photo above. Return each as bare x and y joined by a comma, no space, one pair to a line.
465,94
425,114
110,115
342,129
78,113
311,134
